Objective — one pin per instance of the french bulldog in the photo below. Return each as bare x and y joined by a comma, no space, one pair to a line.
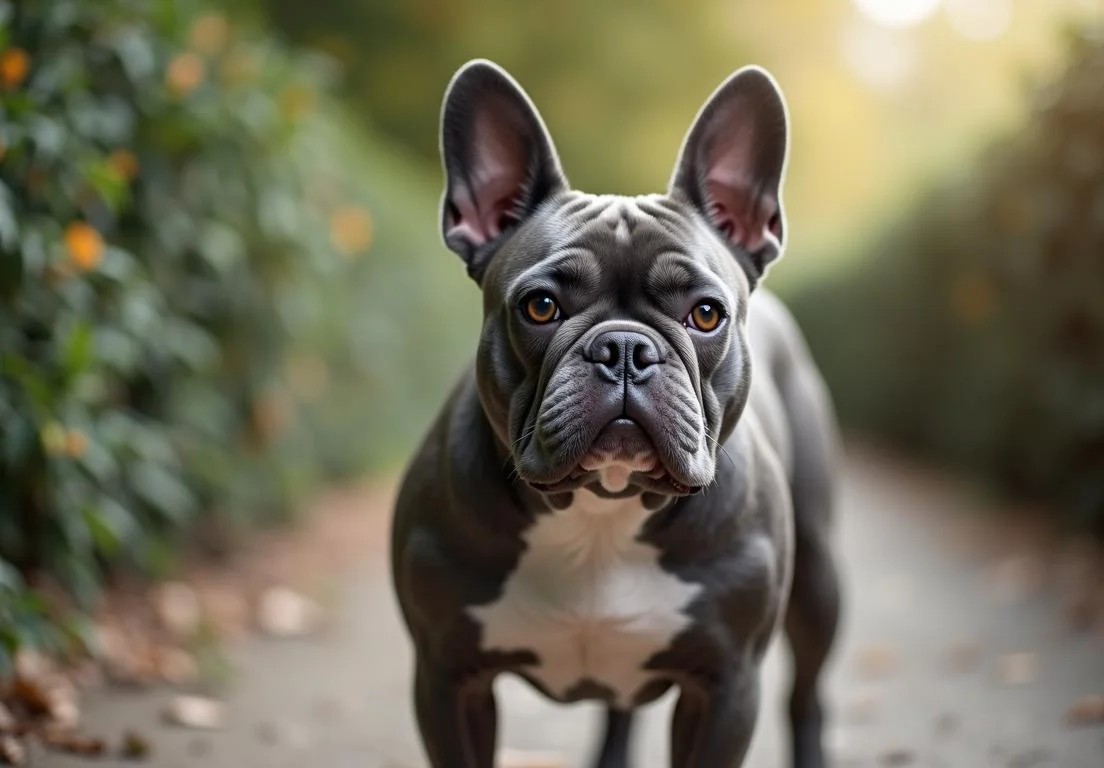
631,489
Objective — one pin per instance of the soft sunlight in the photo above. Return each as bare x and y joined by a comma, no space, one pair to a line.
898,13
980,19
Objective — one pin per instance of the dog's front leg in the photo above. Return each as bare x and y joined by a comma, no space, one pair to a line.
457,717
714,720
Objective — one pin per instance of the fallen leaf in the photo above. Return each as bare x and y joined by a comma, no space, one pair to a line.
282,612
135,747
227,610
176,666
1086,711
30,696
178,608
12,751
1017,668
195,712
32,665
74,744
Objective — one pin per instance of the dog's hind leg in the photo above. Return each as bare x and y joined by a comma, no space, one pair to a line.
614,751
811,627
814,608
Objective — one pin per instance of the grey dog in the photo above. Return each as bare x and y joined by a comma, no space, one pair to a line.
632,487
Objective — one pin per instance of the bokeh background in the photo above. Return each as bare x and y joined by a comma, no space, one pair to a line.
222,287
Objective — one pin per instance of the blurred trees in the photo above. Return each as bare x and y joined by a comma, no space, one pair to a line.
212,296
618,81
973,327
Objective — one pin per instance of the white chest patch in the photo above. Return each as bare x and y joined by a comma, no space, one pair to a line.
589,599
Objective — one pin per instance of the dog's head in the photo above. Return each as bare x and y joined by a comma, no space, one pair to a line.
613,354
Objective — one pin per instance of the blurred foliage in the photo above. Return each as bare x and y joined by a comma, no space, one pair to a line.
973,327
213,295
619,82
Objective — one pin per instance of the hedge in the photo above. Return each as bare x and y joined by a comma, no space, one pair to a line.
972,329
203,275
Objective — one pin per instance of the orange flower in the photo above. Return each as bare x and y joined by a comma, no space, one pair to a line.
124,163
210,33
76,443
85,246
14,65
185,73
351,230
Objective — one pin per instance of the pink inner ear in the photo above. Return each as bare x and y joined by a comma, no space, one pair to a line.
743,220
497,178
747,220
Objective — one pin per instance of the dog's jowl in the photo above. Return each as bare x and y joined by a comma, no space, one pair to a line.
631,488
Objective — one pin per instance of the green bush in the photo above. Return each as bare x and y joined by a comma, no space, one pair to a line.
974,329
213,295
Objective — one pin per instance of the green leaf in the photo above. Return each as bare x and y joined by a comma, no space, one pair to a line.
162,490
9,577
77,349
9,226
105,539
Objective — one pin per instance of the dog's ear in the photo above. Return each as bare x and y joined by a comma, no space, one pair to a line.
732,164
498,158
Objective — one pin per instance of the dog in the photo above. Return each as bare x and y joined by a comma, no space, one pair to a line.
631,489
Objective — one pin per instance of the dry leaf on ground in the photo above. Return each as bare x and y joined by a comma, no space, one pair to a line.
178,608
176,666
282,612
196,712
1086,711
12,751
135,747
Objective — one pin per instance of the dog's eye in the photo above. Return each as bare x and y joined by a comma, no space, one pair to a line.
540,308
705,317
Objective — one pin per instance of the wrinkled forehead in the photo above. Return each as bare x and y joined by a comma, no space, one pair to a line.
592,243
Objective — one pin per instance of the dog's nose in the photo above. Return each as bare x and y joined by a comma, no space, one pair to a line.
624,354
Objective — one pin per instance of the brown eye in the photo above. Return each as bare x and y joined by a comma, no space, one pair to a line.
705,317
540,308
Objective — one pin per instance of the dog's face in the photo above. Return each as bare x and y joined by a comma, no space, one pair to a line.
613,353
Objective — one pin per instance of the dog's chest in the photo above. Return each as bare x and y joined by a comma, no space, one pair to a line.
589,599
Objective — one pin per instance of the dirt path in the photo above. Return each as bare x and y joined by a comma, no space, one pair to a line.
956,651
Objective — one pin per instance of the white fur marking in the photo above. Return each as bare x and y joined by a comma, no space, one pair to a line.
589,599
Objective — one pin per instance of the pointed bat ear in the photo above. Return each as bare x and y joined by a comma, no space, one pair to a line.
499,162
732,165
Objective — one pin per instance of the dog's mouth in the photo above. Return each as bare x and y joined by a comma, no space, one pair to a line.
622,459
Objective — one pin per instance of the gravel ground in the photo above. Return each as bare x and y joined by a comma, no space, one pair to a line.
956,651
